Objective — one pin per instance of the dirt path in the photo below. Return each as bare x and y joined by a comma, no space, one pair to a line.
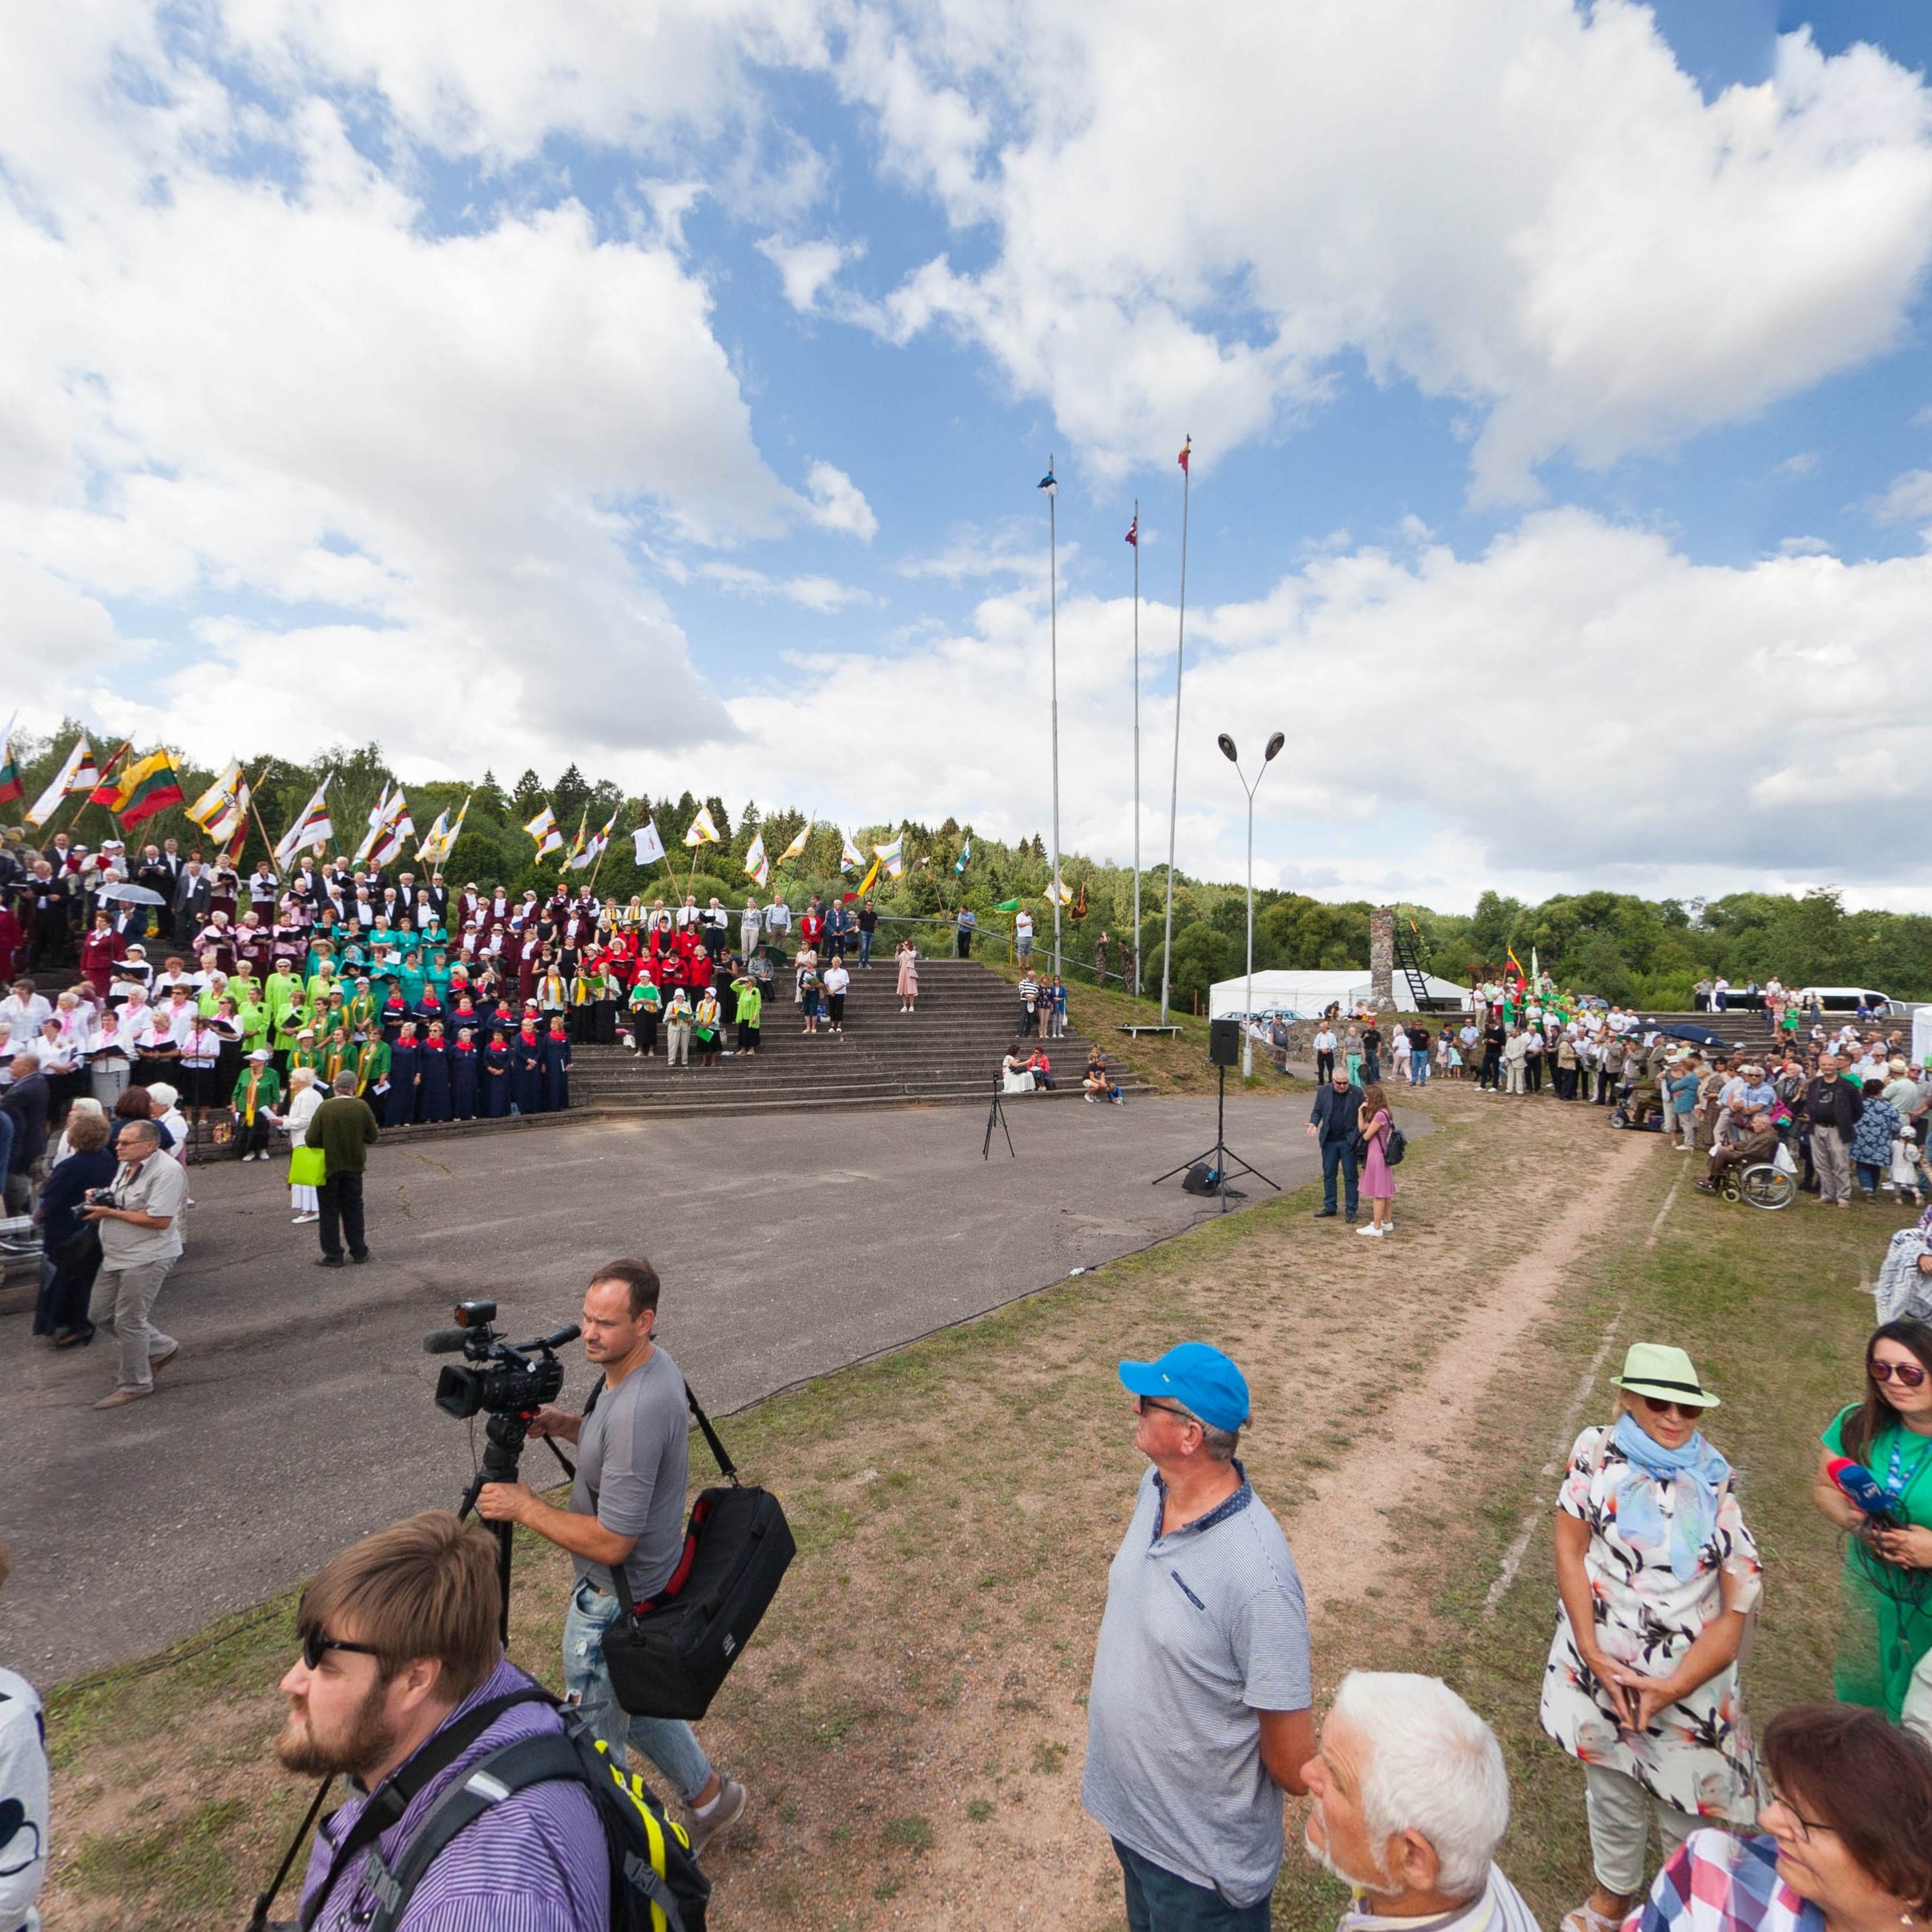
994,1761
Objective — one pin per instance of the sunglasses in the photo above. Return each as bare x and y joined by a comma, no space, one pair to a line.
1142,1403
1909,1375
314,1643
1690,1412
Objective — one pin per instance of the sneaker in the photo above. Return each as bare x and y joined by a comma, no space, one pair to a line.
726,1808
1370,1229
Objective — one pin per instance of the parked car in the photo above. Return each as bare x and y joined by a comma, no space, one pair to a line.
1849,999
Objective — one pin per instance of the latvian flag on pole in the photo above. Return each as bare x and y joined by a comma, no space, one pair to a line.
313,829
146,786
76,774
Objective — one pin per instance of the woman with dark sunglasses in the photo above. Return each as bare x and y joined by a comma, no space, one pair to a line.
1885,1625
1657,1576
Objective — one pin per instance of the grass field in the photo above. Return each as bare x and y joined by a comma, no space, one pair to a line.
911,1719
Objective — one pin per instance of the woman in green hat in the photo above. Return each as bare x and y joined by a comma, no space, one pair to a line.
1884,1623
1656,1574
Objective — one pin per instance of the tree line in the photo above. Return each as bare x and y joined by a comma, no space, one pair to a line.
1650,953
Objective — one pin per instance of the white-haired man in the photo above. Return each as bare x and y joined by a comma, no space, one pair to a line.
1411,1801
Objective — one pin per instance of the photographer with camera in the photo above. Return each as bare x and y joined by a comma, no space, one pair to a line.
402,1685
626,1508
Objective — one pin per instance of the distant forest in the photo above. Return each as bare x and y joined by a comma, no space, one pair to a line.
1649,951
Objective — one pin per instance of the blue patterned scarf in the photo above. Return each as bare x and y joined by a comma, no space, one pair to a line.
1695,1475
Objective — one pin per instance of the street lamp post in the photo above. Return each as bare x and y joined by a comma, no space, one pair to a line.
1228,752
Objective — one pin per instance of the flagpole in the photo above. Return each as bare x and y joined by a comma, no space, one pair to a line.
1053,654
1137,746
1174,791
87,797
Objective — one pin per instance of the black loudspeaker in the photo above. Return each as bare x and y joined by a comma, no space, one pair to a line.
1224,1043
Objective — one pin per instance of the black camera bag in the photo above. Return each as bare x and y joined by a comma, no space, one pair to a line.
668,1656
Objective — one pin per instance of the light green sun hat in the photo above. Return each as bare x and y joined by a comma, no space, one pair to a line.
1655,1368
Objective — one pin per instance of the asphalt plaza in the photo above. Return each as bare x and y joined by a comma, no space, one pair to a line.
299,1414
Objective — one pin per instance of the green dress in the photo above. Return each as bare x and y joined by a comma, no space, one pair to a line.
1885,1621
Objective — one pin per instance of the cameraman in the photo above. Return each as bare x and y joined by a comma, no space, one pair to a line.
627,1506
399,1645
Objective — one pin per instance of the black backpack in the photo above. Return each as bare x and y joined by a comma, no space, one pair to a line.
655,1884
1395,1146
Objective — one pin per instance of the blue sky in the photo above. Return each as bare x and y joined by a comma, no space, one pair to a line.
1559,383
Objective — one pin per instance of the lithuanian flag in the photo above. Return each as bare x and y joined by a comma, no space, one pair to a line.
11,786
145,789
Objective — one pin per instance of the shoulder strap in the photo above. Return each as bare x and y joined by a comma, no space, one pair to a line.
725,1464
393,1796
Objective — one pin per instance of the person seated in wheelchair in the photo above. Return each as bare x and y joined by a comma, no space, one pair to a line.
1756,1141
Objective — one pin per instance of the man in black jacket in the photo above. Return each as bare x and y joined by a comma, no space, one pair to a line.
1832,1106
26,1106
1333,1126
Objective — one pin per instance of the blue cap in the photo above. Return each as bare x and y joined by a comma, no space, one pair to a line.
1198,1377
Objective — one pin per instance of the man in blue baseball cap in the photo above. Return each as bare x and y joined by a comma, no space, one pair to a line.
1199,1718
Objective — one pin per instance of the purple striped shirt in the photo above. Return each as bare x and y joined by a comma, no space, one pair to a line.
535,1863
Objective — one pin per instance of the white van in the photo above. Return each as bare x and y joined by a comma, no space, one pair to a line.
1849,999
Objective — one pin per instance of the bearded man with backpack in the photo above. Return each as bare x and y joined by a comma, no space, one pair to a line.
478,1801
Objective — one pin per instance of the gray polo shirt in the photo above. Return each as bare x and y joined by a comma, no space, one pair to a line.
1203,1628
633,1457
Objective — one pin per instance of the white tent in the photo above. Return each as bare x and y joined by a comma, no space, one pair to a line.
1307,994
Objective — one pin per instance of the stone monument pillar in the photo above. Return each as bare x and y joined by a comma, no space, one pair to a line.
1382,957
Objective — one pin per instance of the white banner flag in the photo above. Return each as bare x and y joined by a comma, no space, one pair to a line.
650,846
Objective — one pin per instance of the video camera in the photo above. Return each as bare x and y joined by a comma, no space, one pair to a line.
500,1378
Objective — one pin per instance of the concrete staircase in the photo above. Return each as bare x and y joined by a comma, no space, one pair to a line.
1741,1031
949,1051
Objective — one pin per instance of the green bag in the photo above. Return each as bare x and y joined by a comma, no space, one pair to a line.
308,1167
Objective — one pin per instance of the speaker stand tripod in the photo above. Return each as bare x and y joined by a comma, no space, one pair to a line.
1220,1153
997,1112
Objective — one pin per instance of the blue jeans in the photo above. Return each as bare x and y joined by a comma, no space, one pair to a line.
865,947
1340,1154
1371,1068
668,1742
1159,1900
1418,1068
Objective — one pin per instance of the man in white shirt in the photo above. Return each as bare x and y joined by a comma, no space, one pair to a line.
1324,1053
1023,934
778,919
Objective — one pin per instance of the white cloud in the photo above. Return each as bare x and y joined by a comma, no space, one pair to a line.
290,393
807,268
1909,500
838,504
1802,464
1526,206
1567,739
822,594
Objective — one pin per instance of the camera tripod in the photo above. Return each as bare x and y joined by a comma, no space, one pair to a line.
997,1112
1221,1154
506,1433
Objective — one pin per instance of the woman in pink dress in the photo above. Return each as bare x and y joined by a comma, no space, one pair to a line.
1378,1182
908,977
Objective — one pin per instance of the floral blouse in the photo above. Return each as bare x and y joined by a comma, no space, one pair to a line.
1697,1754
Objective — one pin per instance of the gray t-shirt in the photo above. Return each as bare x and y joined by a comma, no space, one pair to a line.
633,1456
1203,1628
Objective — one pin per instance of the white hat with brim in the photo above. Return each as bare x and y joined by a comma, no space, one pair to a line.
1655,1368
